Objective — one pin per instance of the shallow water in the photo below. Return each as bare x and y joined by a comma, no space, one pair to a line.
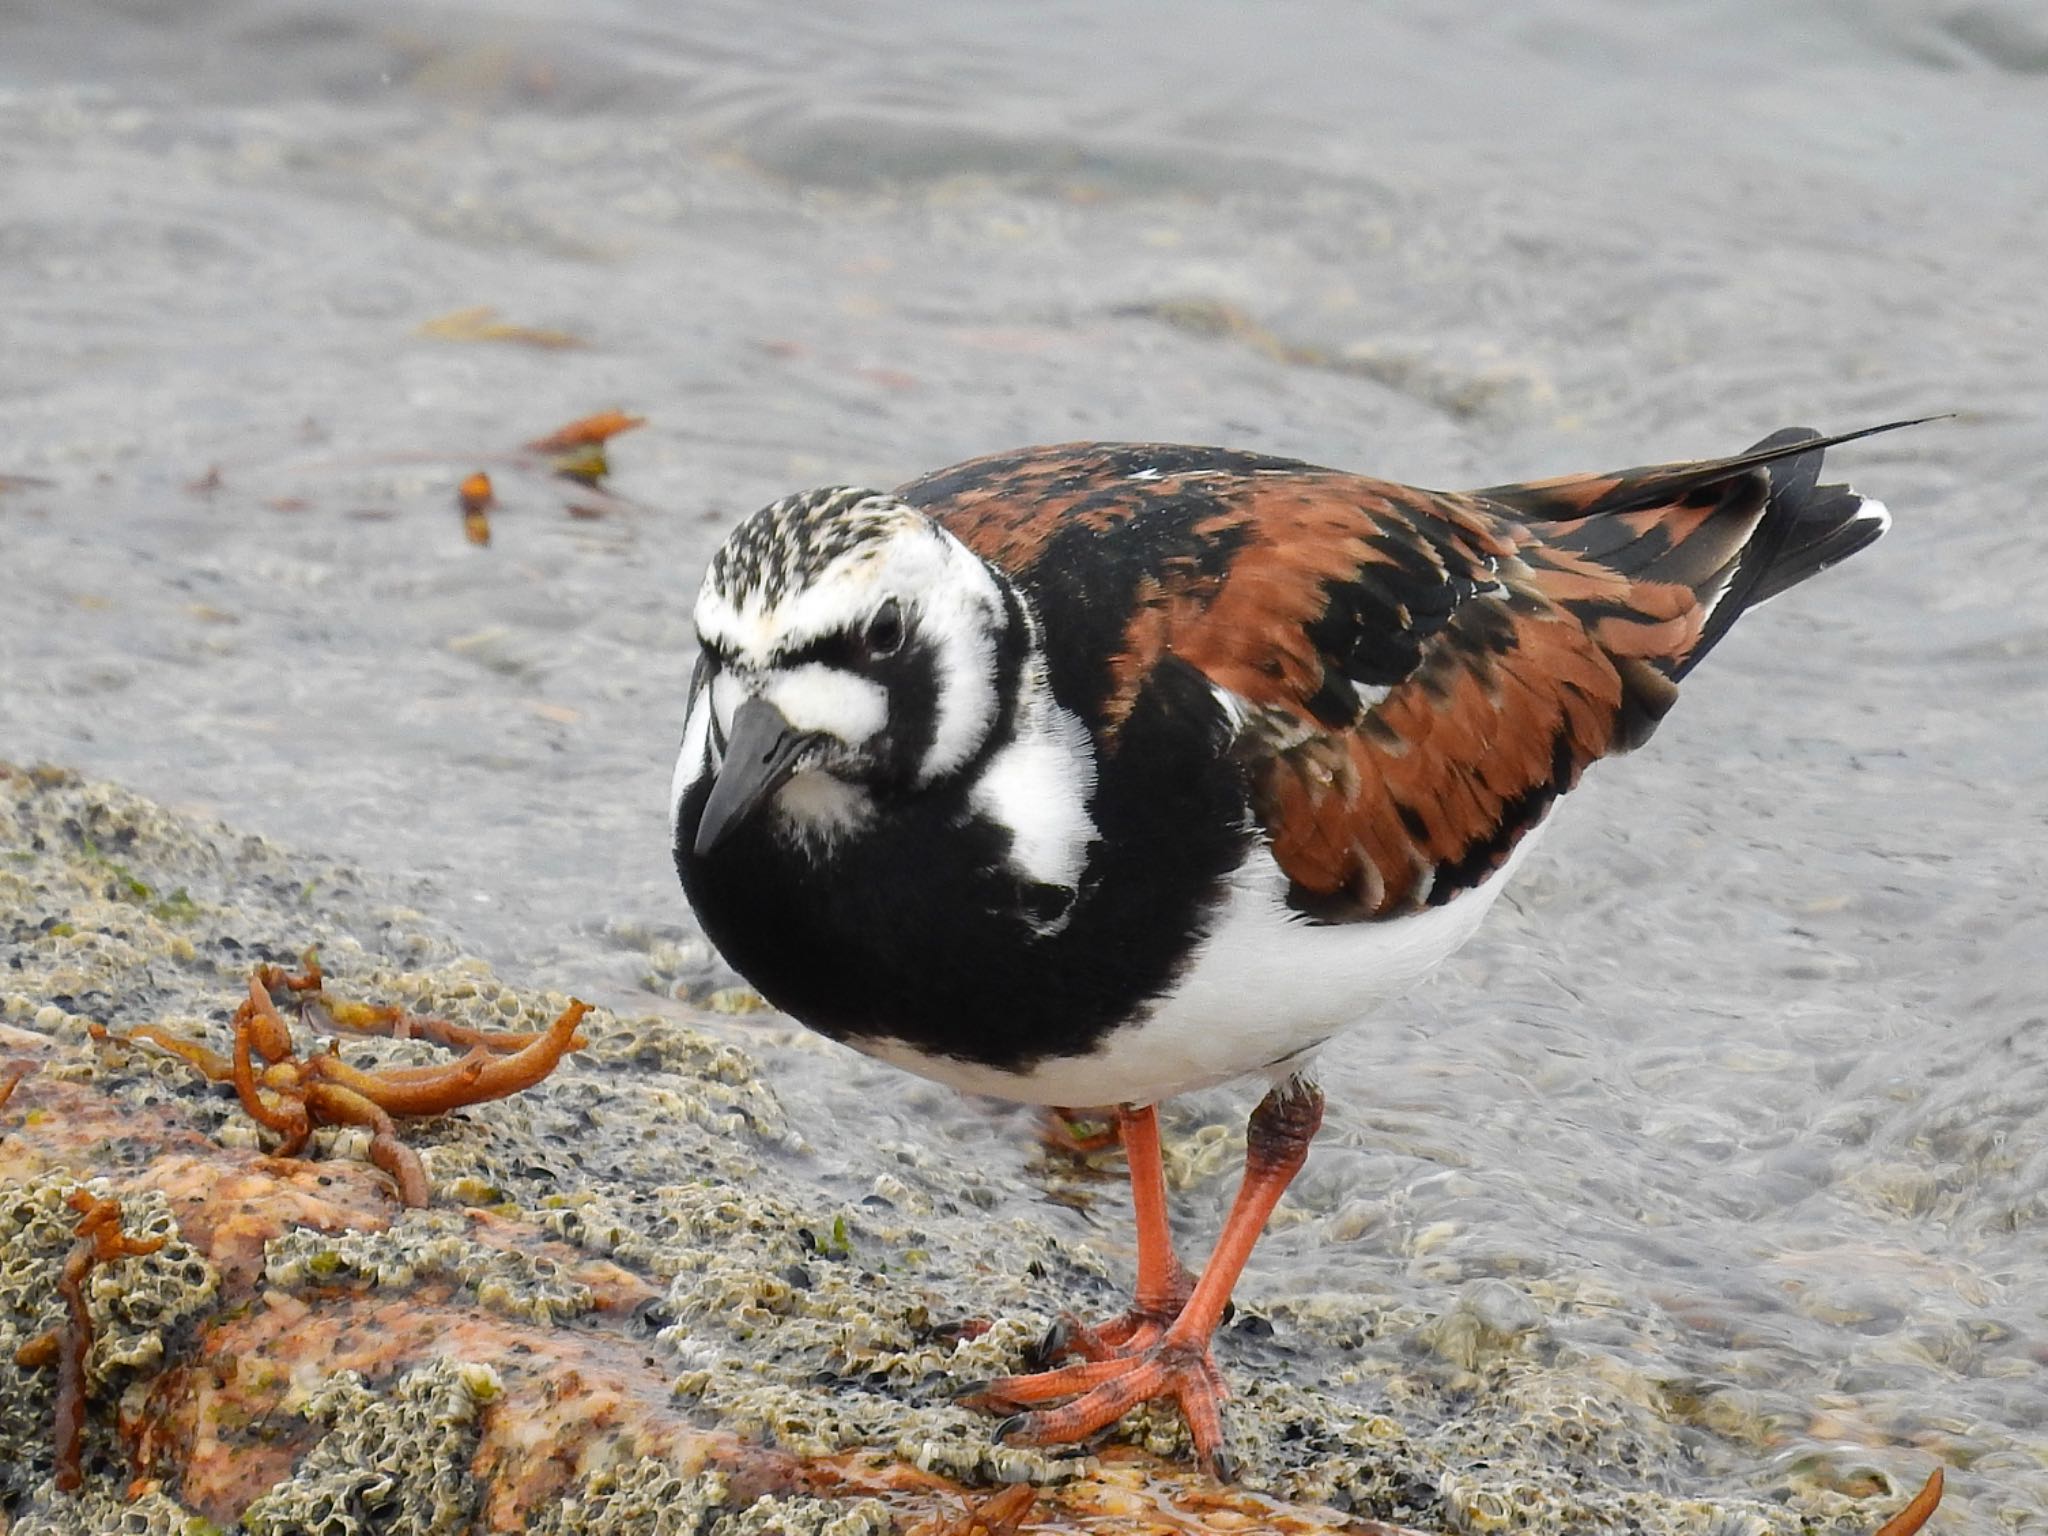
1750,1068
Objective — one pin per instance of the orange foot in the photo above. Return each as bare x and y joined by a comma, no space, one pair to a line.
1104,1390
1129,1333
1142,1356
1113,1339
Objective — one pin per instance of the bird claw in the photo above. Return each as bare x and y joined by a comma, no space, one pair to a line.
1129,1333
1053,1348
1102,1391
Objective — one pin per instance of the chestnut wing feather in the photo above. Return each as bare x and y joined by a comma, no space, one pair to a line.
1415,675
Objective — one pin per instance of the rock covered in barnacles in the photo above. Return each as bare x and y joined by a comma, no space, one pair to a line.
732,1297
97,1512
395,1460
645,1497
431,1245
649,1497
136,1305
770,1302
772,1516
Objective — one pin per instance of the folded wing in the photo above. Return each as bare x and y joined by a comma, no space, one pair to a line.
1413,676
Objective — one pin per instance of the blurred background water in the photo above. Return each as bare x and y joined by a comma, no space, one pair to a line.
1752,1066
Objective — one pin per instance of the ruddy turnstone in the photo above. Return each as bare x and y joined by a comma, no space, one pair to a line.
1097,773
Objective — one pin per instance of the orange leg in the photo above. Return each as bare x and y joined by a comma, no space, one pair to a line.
1164,1284
1177,1362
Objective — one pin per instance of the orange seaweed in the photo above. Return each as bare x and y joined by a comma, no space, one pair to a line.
11,1078
1915,1514
587,432
98,1240
290,1095
476,498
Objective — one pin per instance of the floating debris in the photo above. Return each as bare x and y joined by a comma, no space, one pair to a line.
481,323
576,452
476,499
1914,1515
1079,1133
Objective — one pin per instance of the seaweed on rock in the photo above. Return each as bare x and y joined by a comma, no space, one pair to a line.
290,1095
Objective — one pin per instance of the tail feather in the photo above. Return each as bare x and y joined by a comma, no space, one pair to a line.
1717,536
1805,528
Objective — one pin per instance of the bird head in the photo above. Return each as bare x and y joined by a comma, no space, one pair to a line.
849,654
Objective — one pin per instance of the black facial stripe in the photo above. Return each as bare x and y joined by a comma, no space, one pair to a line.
911,679
707,668
842,649
911,675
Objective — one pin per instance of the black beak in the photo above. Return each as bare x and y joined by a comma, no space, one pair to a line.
759,759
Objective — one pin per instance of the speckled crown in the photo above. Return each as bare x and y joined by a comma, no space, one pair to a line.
788,544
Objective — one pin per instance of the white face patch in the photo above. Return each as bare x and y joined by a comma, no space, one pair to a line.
693,761
727,693
960,619
818,807
814,697
1038,787
759,613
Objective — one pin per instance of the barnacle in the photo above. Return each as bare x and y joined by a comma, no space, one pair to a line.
290,1095
99,1240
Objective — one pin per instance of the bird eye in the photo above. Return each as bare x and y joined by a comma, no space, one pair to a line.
885,629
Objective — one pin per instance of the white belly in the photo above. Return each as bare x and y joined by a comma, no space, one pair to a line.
1265,988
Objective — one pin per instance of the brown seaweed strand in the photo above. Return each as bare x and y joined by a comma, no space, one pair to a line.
98,1239
11,1078
1914,1515
338,1105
